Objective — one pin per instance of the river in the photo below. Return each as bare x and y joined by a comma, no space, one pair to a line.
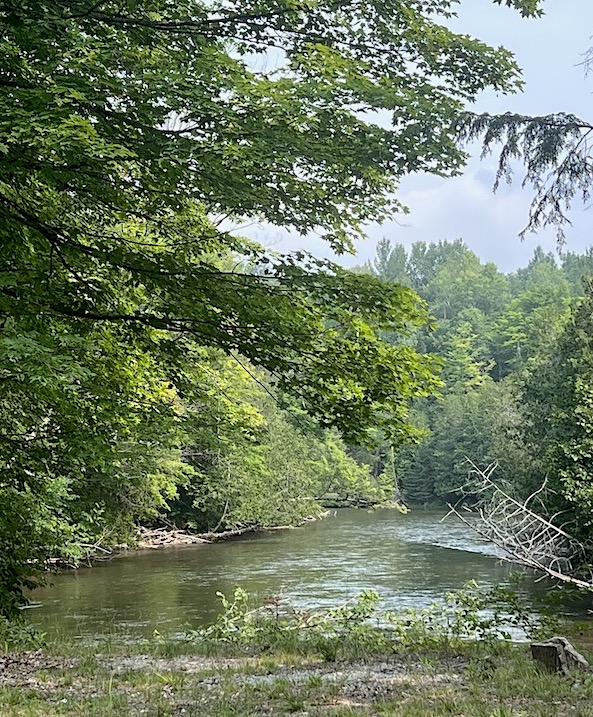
410,560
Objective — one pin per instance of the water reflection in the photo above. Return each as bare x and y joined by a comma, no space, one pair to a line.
410,560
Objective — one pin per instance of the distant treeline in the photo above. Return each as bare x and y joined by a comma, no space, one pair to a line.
517,374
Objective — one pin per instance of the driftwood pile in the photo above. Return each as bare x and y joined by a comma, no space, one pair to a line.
166,537
150,538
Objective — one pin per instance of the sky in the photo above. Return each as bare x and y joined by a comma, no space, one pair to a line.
550,52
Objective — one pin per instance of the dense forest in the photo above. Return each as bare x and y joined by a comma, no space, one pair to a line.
157,365
516,370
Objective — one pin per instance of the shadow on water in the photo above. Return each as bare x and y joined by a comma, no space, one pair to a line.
410,560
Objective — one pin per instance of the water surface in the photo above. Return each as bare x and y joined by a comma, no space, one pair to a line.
410,560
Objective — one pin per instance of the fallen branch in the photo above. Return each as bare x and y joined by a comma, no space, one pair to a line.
526,537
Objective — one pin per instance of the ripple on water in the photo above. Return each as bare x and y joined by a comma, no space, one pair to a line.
411,560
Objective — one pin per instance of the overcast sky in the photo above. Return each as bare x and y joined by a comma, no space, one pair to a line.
549,50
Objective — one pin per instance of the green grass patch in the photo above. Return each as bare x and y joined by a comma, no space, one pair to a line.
476,682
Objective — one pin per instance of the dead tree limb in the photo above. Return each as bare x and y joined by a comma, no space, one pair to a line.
524,530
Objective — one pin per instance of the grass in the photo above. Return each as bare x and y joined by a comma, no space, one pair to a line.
472,680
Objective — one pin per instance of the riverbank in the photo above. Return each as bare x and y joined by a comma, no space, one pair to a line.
170,536
273,658
477,680
276,659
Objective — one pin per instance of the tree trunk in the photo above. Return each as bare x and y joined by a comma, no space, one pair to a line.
558,655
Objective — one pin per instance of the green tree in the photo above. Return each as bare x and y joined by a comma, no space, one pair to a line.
536,314
133,137
559,412
390,263
90,441
427,258
129,130
577,268
464,367
482,424
257,464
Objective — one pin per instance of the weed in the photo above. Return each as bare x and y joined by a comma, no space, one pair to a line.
17,634
357,629
314,682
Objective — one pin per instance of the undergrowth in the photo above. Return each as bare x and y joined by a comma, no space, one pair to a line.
359,628
18,634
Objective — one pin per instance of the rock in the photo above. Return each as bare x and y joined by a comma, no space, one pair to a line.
558,655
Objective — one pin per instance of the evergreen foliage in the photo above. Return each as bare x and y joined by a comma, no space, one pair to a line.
559,410
516,372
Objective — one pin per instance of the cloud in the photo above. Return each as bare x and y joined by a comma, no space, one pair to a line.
465,207
550,50
462,207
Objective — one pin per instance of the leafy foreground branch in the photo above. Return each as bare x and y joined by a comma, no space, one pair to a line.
274,659
358,628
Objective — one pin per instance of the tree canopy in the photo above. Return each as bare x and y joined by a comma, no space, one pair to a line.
136,138
131,132
515,372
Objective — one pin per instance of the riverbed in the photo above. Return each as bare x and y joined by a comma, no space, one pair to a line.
411,560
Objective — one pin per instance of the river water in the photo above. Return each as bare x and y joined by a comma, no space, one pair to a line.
410,560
